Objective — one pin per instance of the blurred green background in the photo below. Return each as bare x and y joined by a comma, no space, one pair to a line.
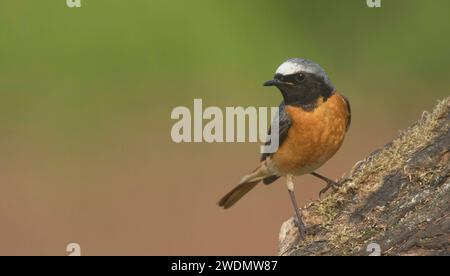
86,96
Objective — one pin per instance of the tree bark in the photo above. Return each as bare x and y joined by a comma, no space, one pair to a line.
395,202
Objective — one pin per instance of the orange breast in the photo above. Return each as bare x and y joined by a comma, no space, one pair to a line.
314,137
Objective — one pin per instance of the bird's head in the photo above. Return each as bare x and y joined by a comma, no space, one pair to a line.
301,82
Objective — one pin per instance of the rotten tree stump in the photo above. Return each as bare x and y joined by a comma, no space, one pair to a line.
397,198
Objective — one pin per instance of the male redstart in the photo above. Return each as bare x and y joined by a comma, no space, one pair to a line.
313,120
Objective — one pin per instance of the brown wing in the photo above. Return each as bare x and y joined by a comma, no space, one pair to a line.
285,124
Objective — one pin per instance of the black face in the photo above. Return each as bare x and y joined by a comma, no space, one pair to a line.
301,89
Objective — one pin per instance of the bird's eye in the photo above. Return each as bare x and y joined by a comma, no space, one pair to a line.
299,77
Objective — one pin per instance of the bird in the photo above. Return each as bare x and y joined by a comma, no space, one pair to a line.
313,121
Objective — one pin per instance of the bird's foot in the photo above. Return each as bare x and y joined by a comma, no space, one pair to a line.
330,185
300,226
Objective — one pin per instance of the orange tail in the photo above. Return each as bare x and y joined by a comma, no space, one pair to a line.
237,193
247,183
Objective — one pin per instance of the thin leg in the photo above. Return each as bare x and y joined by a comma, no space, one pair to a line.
300,224
330,183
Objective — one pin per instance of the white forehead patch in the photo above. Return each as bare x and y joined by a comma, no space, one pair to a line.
289,68
296,65
293,66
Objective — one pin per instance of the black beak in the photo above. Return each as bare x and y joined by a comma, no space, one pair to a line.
273,82
276,83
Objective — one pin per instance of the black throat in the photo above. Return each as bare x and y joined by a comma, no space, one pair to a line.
307,93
